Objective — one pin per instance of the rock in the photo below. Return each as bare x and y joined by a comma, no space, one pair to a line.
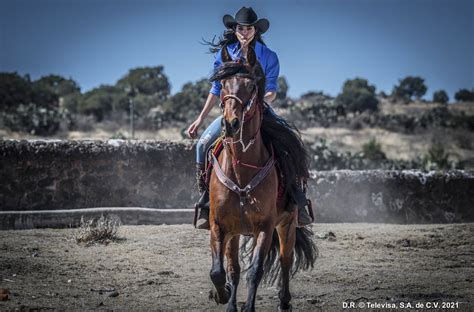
114,294
322,235
331,236
313,300
4,294
405,242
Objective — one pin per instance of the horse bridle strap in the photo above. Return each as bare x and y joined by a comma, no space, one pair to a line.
243,192
246,108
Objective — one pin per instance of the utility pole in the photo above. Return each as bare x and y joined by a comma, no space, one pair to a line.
131,102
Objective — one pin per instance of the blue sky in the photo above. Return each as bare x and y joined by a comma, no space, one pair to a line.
320,43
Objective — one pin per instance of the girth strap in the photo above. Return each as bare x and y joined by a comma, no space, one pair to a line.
243,192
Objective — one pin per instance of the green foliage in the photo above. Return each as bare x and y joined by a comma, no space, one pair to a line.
316,107
282,88
440,96
409,87
146,80
357,96
185,104
323,158
437,158
72,101
464,95
29,106
58,85
118,136
34,119
373,150
16,90
103,101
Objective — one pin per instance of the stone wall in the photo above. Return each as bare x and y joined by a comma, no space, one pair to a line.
51,175
64,175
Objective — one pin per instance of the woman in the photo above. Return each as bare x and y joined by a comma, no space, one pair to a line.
242,32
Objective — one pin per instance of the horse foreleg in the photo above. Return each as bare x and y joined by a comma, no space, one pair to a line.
287,237
233,271
255,273
217,269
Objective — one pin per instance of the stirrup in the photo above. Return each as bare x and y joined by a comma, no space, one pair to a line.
202,222
305,217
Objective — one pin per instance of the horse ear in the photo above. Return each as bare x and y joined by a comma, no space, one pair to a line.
251,57
225,55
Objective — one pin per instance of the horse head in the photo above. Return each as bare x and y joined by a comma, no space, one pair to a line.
242,90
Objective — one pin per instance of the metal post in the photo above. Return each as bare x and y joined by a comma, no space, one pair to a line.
131,94
132,108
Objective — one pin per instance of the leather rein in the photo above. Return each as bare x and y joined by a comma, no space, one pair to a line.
244,192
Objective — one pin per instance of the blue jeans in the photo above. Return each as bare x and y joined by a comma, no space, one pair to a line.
212,133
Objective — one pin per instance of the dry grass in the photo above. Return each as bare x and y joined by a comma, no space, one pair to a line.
98,231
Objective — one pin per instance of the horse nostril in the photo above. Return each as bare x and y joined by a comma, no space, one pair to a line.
234,124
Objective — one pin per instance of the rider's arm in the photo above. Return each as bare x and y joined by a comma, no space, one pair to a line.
272,71
210,102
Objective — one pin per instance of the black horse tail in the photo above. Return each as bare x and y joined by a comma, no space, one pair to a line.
305,254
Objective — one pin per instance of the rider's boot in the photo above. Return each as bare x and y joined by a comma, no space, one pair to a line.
304,205
203,203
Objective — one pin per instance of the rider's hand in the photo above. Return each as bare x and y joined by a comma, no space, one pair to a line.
193,128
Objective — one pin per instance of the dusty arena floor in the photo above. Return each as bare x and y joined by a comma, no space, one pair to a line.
166,268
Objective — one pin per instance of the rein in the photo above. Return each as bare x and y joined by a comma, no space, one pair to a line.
263,172
244,192
245,110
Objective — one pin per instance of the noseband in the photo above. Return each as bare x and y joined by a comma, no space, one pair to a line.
244,193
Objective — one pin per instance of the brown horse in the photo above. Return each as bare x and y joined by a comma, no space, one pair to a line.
244,193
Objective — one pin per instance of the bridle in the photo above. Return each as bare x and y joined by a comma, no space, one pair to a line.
245,111
244,192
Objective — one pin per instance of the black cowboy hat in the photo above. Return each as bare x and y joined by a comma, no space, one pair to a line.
248,17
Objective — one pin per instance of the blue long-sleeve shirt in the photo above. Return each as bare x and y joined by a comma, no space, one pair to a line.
267,58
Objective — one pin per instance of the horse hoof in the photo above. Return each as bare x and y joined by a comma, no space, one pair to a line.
231,308
247,309
287,309
214,295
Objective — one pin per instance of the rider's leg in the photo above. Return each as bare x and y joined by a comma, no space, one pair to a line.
297,192
207,138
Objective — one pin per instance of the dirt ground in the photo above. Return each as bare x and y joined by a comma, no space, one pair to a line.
167,268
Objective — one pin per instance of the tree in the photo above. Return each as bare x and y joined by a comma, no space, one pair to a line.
185,104
464,95
409,87
282,88
357,96
14,90
440,96
146,80
26,106
58,85
102,101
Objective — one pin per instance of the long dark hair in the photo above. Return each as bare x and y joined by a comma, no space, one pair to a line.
229,37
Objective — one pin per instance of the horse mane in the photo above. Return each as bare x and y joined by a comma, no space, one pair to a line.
241,69
290,152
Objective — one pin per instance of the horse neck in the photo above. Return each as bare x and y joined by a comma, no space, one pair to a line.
256,154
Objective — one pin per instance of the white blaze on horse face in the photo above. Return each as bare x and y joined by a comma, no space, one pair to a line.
237,93
233,108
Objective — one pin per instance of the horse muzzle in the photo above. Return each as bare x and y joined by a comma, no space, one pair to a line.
231,127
